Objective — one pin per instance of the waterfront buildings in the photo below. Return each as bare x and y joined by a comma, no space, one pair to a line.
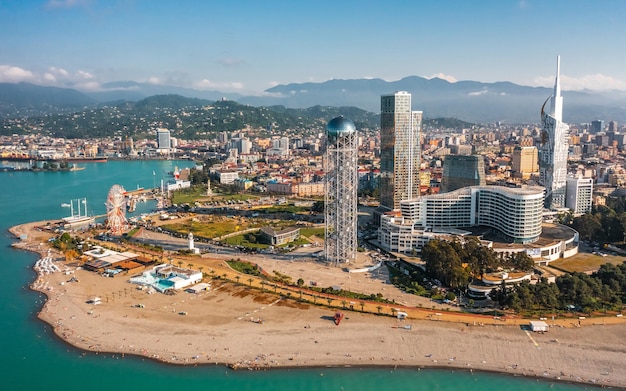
341,197
400,129
553,147
462,171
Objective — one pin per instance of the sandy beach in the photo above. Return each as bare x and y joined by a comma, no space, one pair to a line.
244,327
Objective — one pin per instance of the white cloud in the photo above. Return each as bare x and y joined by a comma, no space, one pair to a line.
11,74
58,71
84,75
53,76
477,93
208,84
442,76
153,80
596,82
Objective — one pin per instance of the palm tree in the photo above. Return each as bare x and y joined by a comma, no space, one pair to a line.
201,268
362,304
180,263
275,287
300,292
343,303
379,308
250,281
315,299
189,265
330,300
263,283
224,275
393,311
237,278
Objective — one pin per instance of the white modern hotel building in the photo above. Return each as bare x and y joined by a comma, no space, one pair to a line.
514,213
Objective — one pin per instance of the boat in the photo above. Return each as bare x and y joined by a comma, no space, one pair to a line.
94,159
80,219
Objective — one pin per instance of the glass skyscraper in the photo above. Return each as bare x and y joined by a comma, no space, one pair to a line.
400,130
553,148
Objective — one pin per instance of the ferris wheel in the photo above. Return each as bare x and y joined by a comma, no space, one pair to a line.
116,209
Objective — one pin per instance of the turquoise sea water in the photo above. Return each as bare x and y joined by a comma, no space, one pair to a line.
32,358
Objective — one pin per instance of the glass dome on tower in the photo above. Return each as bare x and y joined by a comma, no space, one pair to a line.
339,127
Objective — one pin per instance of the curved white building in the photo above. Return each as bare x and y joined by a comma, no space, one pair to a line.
515,213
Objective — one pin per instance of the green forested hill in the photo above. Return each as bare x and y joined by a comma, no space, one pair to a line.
188,118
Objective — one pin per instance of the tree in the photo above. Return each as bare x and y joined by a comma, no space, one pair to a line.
587,226
362,304
250,281
237,278
318,207
520,261
300,282
379,308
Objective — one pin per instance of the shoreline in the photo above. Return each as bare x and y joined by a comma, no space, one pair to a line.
296,335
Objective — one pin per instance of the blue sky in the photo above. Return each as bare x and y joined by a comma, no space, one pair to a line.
248,46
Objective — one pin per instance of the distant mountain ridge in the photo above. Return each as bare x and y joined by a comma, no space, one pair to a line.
26,97
467,100
193,118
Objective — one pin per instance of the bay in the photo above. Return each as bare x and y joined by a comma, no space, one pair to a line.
33,358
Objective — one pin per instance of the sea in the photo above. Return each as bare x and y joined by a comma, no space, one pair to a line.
33,358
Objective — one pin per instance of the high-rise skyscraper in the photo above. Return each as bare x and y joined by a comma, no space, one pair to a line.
164,142
462,171
524,162
597,126
342,182
553,147
400,129
579,194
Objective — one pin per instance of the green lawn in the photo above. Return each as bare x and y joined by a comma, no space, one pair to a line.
189,196
198,193
319,232
206,230
584,262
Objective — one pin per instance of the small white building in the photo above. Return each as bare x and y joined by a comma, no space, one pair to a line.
538,326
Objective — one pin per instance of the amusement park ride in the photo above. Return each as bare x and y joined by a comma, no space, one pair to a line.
116,210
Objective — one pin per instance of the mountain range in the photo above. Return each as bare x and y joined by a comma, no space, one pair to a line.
467,100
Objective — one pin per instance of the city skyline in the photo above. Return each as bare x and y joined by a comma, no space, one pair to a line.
248,47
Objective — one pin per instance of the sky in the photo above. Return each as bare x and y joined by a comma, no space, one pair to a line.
248,46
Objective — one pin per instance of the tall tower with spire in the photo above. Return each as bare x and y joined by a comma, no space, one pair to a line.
553,147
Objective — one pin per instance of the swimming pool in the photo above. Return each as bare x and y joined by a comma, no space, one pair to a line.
163,285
